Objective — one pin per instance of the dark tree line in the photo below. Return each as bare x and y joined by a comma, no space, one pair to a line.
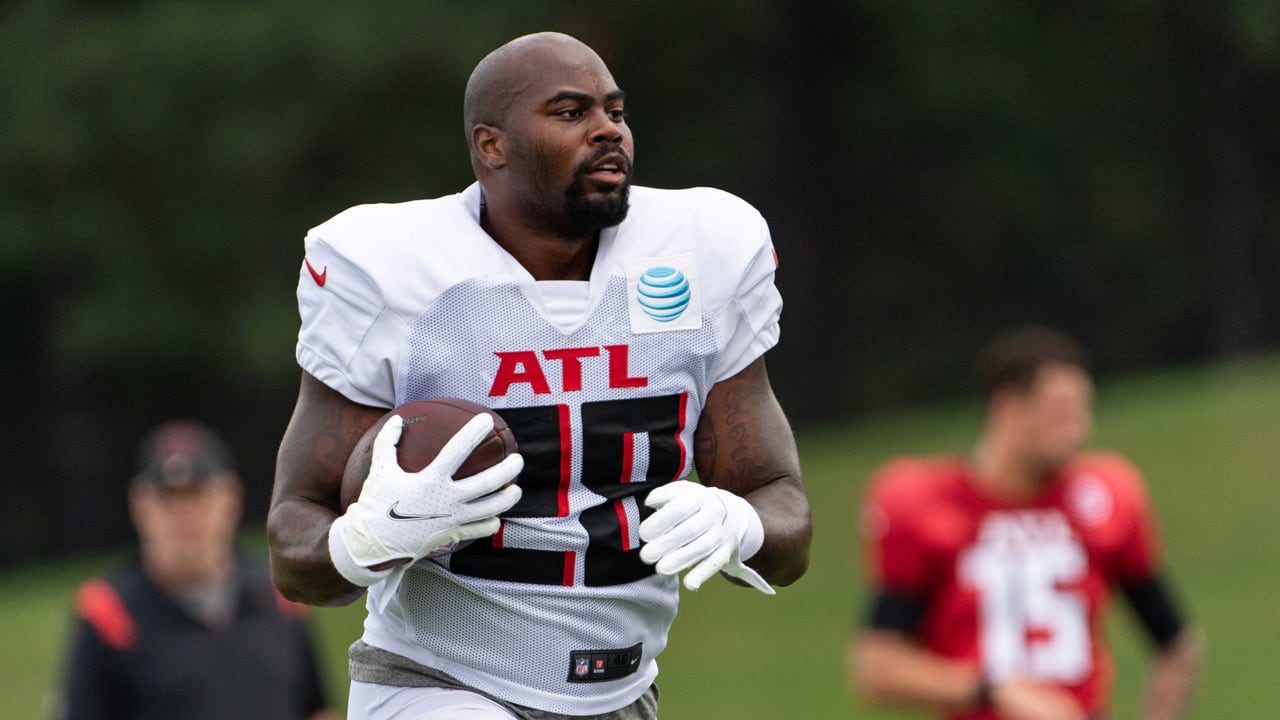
932,171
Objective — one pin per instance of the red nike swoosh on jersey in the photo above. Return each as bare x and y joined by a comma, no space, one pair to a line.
319,277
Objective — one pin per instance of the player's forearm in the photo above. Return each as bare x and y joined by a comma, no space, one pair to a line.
1173,677
788,531
313,454
887,669
298,538
744,445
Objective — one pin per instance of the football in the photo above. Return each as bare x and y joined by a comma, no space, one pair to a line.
428,425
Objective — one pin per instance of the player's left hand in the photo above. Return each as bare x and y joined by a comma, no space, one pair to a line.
1029,700
700,529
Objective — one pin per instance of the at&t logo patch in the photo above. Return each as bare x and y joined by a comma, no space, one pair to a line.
662,294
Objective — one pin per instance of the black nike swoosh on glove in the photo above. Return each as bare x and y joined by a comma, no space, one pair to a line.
391,513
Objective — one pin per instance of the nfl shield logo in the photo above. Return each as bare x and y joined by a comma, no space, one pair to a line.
581,667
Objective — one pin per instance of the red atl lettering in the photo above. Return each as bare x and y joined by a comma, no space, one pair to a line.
518,367
571,365
618,368
524,367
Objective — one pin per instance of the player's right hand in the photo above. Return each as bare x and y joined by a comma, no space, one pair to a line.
404,516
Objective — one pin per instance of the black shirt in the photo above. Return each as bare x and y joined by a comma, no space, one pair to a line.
136,654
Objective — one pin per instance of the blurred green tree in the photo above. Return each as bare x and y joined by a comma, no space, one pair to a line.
931,171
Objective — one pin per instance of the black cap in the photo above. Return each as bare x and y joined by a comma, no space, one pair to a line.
181,453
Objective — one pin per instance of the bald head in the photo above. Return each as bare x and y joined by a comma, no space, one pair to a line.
504,74
548,139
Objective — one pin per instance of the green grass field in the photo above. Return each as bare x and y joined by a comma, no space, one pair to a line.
1208,440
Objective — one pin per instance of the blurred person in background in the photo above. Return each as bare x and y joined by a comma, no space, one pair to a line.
189,627
990,573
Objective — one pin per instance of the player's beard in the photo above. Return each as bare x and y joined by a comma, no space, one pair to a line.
597,211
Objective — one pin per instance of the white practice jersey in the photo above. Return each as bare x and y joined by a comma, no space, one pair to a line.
413,300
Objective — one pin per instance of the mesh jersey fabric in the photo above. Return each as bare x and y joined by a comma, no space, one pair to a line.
417,301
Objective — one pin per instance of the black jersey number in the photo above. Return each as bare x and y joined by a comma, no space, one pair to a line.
612,430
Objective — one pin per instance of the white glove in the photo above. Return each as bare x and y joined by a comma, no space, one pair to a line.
406,516
704,528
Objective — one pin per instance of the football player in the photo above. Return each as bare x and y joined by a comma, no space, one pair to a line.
620,331
991,572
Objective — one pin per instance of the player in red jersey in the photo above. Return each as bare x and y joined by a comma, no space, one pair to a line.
991,573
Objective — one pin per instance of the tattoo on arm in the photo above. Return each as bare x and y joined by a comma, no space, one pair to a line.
313,455
704,449
744,442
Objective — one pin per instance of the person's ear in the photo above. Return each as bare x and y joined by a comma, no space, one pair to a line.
1005,401
237,491
141,501
490,145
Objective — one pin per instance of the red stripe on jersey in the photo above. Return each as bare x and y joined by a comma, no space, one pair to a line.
684,418
623,524
497,539
570,560
628,457
99,605
566,461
